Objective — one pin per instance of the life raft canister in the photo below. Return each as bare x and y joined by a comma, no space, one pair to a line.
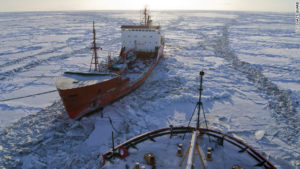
123,152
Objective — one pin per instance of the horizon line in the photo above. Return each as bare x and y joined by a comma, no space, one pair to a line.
78,10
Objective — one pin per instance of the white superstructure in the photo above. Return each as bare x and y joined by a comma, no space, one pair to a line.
142,38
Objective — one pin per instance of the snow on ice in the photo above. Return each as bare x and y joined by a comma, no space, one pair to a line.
251,83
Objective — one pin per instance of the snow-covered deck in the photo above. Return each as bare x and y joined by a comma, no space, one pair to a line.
75,80
163,144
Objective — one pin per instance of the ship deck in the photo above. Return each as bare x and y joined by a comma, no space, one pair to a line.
135,70
72,80
165,148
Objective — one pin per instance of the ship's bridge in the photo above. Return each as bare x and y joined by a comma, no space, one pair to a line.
141,37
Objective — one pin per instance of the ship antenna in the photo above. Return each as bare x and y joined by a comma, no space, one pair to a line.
94,48
145,16
200,106
199,102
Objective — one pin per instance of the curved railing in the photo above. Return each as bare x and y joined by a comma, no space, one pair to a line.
121,150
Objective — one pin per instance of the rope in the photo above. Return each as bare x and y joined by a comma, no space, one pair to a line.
16,98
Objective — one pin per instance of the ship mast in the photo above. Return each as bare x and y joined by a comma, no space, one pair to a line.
199,105
200,102
94,48
147,18
194,147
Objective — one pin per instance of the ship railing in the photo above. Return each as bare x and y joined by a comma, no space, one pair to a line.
171,131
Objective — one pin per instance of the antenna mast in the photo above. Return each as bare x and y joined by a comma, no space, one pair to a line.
199,105
194,144
146,17
94,48
200,102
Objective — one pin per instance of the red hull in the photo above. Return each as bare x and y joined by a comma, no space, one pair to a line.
82,100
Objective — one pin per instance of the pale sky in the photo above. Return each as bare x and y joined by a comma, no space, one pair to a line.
61,5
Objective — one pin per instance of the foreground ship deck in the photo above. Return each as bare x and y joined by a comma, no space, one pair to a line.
226,152
185,147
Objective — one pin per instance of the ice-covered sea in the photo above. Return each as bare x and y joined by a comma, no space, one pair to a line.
251,85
